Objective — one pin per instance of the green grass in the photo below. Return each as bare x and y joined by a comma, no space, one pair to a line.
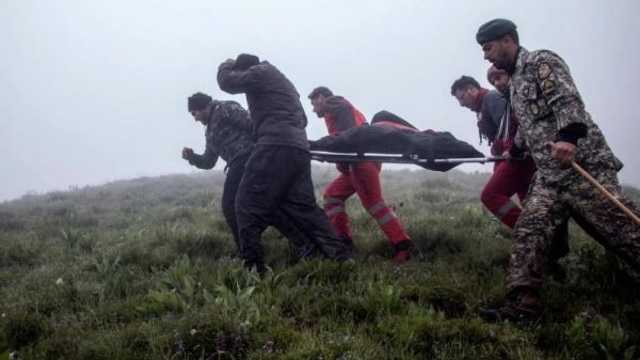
144,269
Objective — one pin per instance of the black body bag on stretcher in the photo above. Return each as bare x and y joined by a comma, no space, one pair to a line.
390,134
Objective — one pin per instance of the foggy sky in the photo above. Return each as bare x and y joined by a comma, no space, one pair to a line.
95,91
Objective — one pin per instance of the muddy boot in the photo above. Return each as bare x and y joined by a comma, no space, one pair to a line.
522,307
402,251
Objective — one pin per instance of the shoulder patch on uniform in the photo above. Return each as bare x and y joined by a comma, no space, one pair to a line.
544,70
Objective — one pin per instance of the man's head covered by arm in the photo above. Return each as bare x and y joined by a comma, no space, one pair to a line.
245,61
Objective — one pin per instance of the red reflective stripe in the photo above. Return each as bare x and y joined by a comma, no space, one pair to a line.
332,200
335,211
377,207
504,209
388,217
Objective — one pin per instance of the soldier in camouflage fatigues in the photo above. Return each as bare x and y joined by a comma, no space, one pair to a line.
228,136
556,129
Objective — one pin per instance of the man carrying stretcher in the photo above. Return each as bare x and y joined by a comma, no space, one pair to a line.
362,178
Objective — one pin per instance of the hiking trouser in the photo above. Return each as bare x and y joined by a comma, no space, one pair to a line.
509,178
278,179
300,245
363,179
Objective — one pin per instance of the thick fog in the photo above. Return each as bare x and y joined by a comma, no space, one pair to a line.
95,91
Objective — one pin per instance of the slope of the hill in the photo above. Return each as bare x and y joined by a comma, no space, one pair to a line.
143,269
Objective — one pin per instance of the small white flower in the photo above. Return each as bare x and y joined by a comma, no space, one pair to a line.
59,281
4,315
193,332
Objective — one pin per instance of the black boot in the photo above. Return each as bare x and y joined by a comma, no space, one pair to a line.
402,251
522,307
350,248
258,266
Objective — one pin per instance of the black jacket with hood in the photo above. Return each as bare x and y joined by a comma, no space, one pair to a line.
274,103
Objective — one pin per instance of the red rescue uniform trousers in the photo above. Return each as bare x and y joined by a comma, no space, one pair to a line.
509,178
362,178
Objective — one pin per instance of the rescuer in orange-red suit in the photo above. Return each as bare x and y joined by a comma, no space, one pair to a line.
362,178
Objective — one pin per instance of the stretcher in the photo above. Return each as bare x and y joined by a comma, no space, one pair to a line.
339,157
392,139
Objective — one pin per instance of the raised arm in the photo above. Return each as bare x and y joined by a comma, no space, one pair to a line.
205,161
239,81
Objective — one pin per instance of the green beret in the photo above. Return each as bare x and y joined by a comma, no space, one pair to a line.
494,29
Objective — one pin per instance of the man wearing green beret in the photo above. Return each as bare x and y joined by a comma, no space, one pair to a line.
556,130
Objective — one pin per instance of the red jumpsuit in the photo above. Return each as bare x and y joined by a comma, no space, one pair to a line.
361,178
509,177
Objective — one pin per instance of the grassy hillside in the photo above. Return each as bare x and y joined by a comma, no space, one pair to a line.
143,269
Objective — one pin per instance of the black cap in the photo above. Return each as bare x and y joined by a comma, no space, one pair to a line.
198,101
245,61
494,29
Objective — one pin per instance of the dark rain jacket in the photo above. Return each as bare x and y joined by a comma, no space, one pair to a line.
341,115
228,135
274,103
492,108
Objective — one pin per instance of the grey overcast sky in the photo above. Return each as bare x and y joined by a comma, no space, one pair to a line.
95,91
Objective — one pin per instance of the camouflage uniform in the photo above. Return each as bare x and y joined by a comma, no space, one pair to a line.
228,135
547,103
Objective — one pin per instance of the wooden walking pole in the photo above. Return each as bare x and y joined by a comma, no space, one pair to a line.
605,192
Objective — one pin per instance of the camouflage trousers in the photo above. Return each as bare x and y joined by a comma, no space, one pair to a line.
549,205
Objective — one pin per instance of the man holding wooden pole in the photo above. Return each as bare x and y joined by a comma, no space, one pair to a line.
558,133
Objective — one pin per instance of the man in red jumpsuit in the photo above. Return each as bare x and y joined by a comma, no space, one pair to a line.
498,126
362,178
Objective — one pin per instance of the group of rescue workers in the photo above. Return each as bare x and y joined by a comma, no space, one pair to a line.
535,119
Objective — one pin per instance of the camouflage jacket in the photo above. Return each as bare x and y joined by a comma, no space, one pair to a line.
228,135
547,103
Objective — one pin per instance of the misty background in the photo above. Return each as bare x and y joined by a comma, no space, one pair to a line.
96,91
